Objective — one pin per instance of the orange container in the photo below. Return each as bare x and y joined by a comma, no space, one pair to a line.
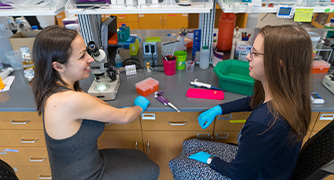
225,31
320,66
147,86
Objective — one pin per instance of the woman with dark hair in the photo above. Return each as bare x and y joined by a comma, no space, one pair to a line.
270,141
73,120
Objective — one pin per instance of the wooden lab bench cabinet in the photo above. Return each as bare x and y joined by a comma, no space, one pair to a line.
22,145
159,134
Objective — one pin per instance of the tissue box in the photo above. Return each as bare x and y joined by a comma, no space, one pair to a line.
147,86
20,39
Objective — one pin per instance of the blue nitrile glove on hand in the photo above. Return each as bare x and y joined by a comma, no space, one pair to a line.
200,156
142,102
206,118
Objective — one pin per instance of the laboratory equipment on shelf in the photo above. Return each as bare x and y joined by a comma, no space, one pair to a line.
328,82
106,82
163,100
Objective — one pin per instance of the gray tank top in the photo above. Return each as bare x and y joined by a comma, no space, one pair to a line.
76,157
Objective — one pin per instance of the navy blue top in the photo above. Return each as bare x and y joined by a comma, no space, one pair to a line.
262,153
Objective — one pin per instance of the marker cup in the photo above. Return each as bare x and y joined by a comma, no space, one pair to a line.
181,59
169,65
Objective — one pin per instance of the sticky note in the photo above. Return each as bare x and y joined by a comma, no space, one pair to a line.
303,15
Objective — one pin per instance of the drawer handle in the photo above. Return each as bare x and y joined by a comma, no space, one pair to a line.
327,117
31,141
136,145
148,116
148,148
3,151
109,123
225,117
121,17
20,122
44,177
238,121
31,159
221,136
203,136
177,123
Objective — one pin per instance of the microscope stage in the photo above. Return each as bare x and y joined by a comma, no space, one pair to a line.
104,89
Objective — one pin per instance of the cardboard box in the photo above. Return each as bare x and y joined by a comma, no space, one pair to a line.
25,38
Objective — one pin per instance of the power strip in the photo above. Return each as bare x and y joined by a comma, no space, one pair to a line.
170,47
328,82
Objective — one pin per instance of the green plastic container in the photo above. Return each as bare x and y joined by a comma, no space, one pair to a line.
234,76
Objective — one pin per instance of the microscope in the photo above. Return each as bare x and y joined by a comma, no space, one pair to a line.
106,82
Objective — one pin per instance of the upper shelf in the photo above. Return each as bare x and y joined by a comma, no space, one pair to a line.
318,7
200,6
51,9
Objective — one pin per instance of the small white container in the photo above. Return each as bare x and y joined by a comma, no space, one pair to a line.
204,58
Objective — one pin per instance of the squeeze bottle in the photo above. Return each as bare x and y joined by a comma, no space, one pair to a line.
118,60
204,58
225,31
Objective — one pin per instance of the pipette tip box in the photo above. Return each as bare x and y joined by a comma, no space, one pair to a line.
147,86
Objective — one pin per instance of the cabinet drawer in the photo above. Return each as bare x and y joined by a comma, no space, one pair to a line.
171,121
23,138
233,121
20,120
226,136
25,156
127,17
133,126
162,146
323,120
33,173
120,139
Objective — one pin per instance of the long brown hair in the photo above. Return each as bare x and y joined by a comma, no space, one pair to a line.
287,67
52,44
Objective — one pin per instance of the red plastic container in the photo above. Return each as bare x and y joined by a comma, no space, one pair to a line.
320,66
147,86
225,31
170,65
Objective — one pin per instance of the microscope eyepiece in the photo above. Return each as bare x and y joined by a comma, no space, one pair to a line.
92,49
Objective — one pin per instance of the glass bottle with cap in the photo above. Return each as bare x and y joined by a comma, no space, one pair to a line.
148,69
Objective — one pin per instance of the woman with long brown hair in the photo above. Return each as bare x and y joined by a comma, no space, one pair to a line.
73,120
270,141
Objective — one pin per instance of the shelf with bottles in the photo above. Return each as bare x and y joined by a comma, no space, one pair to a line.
272,6
43,8
167,6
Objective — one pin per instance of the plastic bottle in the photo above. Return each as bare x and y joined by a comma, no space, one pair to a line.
28,63
22,24
5,46
214,41
204,58
225,31
118,60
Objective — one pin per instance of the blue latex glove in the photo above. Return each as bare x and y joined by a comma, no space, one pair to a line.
142,102
200,156
206,118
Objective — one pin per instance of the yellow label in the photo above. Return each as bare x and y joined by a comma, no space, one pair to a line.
238,121
2,85
303,15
